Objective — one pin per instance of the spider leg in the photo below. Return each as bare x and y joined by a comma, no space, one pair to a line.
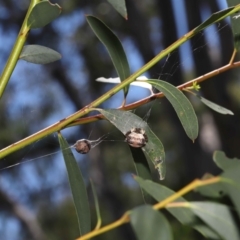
94,143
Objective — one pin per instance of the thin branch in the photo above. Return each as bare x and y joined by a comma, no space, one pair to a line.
67,121
196,183
71,120
16,50
233,56
124,219
150,98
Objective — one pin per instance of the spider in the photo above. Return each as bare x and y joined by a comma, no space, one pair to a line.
83,146
136,137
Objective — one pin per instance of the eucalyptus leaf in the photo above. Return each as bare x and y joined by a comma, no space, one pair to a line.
183,214
216,17
235,23
140,82
125,121
148,223
114,48
120,6
78,188
211,190
99,219
207,232
43,13
224,162
230,179
160,193
218,217
39,54
142,169
214,106
182,106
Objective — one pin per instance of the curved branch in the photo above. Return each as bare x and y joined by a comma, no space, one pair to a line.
158,95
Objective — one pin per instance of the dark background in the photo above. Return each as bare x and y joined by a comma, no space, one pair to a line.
35,200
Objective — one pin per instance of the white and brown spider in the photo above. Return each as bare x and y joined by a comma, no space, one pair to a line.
136,137
83,146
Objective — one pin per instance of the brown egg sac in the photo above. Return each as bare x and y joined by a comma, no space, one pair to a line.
136,137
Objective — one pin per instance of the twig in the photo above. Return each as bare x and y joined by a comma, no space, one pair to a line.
158,95
70,119
16,50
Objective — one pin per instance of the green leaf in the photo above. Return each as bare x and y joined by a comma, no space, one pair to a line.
212,190
43,13
78,188
114,47
148,223
230,179
160,192
218,217
99,219
207,232
142,169
224,162
235,23
182,106
125,121
182,214
120,6
214,106
39,54
214,18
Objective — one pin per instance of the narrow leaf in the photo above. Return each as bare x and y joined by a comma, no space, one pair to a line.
230,179
214,18
43,13
140,83
224,162
212,190
99,219
218,217
214,106
125,121
114,47
142,170
160,192
182,106
39,54
78,188
184,215
120,6
207,232
148,223
235,23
